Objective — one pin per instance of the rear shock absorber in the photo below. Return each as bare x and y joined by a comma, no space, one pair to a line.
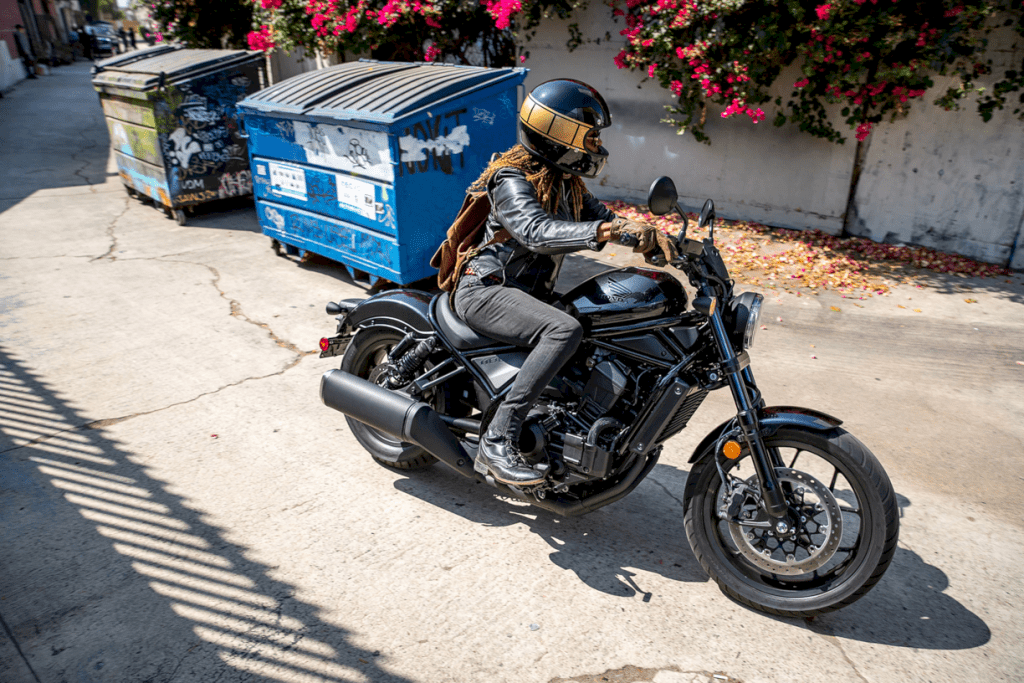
406,367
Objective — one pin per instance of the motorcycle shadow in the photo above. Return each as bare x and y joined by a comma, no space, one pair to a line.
609,550
907,608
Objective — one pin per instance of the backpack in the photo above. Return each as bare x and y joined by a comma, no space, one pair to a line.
462,242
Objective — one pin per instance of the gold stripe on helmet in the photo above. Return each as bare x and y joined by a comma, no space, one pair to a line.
553,125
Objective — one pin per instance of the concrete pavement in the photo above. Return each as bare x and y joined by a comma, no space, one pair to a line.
177,505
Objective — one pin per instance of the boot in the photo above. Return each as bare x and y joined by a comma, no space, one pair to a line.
501,457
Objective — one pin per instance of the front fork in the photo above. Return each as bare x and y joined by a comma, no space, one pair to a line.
740,379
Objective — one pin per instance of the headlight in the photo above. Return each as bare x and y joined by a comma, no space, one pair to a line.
742,317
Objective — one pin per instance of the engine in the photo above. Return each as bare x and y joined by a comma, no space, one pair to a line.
578,427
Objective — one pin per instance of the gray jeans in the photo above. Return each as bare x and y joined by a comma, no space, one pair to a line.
512,316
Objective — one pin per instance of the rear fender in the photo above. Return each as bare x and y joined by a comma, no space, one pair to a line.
771,419
404,309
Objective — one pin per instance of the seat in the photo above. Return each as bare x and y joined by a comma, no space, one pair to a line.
461,335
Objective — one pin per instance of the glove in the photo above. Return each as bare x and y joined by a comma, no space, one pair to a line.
640,235
664,251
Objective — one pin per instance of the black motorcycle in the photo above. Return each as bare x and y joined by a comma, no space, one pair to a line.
786,510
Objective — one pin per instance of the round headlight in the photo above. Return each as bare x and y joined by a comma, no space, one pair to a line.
753,316
741,319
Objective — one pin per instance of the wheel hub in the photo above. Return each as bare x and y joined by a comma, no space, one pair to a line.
800,546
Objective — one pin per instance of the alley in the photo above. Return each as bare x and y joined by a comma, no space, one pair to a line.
177,505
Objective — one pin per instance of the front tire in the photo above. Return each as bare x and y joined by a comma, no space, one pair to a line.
839,552
366,357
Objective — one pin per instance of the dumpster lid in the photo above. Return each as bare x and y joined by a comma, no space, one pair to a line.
369,90
169,66
134,56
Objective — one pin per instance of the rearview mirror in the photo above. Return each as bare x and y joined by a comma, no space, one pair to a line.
662,196
707,214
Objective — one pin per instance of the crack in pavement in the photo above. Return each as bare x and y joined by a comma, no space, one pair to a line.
669,493
112,235
100,424
236,312
829,638
87,163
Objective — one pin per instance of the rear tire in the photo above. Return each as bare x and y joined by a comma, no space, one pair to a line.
848,538
367,351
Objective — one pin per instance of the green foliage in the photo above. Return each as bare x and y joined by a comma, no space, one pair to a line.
202,23
875,57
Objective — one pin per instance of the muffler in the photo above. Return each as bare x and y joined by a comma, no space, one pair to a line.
396,414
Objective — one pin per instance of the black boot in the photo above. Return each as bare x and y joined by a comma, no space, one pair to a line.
502,458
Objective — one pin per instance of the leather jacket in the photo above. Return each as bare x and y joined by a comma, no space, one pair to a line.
532,258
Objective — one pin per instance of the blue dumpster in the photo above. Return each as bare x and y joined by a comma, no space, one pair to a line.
367,162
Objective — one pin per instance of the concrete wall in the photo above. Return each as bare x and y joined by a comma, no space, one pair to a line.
948,180
940,179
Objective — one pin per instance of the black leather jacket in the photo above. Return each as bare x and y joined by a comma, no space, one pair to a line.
532,258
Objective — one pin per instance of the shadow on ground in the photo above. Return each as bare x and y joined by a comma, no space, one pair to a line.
91,541
644,533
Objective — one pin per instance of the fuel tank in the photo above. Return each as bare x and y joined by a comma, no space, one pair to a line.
629,295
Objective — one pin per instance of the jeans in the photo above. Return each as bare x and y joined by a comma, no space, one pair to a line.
512,316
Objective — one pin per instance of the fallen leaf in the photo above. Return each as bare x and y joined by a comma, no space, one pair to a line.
836,309
900,306
971,301
917,310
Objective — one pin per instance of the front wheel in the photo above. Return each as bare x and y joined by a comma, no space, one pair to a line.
842,530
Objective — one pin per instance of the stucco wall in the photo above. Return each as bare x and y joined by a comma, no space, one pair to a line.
939,179
948,179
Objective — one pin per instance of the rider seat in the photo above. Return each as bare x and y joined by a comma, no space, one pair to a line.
461,335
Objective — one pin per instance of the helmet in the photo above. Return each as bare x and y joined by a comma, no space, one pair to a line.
554,122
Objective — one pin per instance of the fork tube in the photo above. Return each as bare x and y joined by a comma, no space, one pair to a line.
774,499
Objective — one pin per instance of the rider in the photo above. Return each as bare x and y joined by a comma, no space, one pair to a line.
538,196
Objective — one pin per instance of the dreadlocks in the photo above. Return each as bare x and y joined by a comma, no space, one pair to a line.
545,179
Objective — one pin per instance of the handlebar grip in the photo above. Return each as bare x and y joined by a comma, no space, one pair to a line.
628,240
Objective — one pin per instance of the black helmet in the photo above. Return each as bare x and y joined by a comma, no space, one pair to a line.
555,120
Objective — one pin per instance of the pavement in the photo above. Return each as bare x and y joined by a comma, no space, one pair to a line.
177,505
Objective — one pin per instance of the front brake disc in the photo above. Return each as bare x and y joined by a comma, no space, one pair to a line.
808,546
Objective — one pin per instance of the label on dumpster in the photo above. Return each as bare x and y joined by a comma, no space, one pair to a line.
356,196
287,180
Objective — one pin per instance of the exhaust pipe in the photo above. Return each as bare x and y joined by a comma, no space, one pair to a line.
396,414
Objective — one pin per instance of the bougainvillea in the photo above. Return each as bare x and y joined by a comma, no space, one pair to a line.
872,58
200,24
413,30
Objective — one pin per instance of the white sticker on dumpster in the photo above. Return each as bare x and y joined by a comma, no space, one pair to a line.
287,180
356,195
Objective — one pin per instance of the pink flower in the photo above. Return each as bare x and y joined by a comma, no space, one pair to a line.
823,11
270,4
650,70
432,53
677,88
648,42
259,40
522,58
864,130
620,59
803,82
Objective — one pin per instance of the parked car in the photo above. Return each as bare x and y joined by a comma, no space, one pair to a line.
104,37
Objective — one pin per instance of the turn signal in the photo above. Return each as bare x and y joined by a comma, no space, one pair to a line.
731,449
324,343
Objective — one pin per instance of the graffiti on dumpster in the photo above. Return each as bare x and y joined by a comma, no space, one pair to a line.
275,217
483,116
181,147
195,197
365,152
357,155
235,184
428,146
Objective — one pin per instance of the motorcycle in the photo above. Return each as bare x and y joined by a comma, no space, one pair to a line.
786,510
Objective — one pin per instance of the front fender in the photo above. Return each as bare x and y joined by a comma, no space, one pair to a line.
770,419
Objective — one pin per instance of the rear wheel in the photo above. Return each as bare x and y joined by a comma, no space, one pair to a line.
367,357
844,524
